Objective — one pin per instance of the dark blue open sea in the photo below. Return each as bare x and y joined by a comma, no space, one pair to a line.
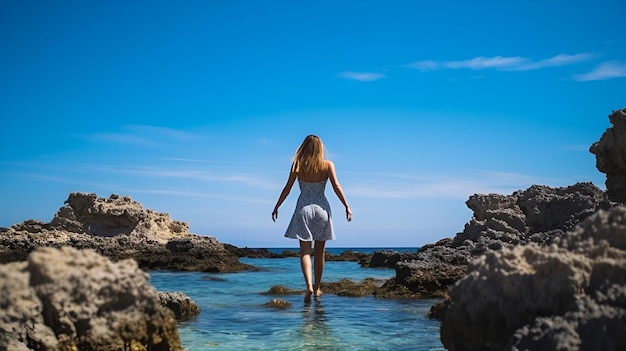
234,317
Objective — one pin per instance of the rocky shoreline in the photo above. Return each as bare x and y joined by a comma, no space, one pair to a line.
540,269
120,228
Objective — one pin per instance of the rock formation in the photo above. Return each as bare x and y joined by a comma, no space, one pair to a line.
610,153
570,295
66,299
539,214
119,228
183,307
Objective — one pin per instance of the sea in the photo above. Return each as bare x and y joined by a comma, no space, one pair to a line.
234,316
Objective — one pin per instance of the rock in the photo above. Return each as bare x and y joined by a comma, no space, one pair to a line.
349,255
120,228
280,290
349,288
277,303
568,295
538,215
178,302
343,287
254,253
389,258
610,152
64,299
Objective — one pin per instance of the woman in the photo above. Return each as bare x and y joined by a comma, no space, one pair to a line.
311,220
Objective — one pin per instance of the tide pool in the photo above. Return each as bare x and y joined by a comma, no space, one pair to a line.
234,317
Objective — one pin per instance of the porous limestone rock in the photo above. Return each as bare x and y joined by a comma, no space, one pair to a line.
119,228
116,216
68,299
568,295
610,152
539,214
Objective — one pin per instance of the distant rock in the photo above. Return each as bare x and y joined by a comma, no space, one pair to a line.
570,295
120,228
347,255
539,214
610,153
66,299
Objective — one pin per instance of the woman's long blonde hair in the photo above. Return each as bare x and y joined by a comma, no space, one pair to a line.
309,157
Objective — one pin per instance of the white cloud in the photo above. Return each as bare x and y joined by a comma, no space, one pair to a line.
361,76
514,63
606,70
555,61
486,62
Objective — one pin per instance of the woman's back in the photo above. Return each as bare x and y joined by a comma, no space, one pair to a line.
314,177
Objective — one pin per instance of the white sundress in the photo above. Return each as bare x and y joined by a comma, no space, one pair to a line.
312,218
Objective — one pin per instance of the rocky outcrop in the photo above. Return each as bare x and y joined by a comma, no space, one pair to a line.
119,228
610,153
183,307
66,299
539,215
570,295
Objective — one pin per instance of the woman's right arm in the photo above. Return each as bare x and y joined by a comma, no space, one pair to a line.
337,188
283,195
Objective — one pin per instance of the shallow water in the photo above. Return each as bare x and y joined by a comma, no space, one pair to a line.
234,317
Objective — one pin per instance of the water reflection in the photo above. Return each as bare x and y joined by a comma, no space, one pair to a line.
315,332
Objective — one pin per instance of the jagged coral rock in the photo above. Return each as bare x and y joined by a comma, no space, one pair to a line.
569,295
610,152
115,216
71,299
539,214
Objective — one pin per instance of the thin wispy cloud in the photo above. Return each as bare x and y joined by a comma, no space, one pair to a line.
502,63
183,193
604,71
361,76
201,175
143,135
483,182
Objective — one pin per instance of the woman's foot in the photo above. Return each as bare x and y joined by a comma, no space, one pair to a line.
309,292
318,293
307,296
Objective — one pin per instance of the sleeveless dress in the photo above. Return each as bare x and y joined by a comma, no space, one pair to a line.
312,218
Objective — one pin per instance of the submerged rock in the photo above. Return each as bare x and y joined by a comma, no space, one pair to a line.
120,228
278,303
178,302
66,299
569,295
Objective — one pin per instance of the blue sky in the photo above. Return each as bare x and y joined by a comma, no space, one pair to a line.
195,108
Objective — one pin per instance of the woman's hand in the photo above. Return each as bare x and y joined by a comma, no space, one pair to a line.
274,214
348,214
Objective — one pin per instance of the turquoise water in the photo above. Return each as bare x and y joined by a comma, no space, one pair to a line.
234,317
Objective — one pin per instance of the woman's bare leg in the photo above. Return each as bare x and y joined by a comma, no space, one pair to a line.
305,264
320,259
